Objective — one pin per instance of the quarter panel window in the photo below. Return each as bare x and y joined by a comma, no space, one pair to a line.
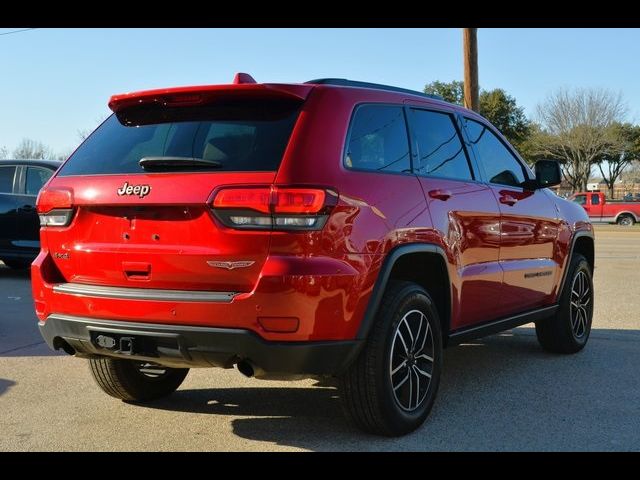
441,152
378,140
498,162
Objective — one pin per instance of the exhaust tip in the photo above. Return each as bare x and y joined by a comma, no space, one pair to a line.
245,368
61,343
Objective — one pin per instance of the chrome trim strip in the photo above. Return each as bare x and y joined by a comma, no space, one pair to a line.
129,293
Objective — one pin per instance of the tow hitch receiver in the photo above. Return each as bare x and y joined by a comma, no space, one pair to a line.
125,344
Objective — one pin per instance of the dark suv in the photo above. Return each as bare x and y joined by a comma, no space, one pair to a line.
332,228
20,182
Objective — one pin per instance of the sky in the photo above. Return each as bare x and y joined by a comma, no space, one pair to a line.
56,82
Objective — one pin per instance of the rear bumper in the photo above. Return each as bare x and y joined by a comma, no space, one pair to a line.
188,346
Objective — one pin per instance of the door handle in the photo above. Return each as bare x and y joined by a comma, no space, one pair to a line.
508,200
438,194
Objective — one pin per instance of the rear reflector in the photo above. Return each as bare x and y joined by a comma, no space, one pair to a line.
279,324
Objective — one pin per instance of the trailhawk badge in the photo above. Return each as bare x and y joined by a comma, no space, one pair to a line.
139,190
230,265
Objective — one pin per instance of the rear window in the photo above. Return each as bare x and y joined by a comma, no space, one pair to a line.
239,135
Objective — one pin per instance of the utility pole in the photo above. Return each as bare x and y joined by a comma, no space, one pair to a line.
470,53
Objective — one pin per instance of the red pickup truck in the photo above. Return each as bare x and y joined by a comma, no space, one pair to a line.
602,210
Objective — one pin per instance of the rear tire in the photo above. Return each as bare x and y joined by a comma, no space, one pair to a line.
135,381
17,264
391,387
568,330
626,220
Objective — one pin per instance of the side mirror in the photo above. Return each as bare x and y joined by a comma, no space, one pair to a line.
548,173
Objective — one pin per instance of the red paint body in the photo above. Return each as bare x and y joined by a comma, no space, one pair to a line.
601,210
324,278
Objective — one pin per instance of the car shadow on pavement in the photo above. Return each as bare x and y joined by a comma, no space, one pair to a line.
5,385
499,393
6,272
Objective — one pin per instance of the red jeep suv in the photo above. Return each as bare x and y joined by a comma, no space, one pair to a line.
327,229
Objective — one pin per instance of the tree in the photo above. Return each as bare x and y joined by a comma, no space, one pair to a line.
452,92
632,174
496,106
29,148
577,129
614,161
502,111
3,152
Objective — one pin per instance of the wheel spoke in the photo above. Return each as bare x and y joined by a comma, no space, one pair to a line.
395,370
575,316
402,382
586,293
425,356
408,330
404,344
426,334
421,372
410,387
413,346
417,387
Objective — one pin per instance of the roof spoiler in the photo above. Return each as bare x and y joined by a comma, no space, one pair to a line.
188,96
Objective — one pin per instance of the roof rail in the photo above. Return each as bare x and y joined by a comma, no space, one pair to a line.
354,83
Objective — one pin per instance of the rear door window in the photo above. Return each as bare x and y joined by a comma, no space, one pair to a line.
240,135
378,140
7,174
440,149
595,199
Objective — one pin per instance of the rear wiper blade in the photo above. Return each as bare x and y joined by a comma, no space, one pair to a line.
153,163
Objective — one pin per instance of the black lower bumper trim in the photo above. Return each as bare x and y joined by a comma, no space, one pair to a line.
185,346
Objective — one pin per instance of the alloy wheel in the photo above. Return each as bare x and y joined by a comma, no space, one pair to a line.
411,363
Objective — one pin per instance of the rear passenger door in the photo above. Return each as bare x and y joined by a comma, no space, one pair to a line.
8,205
464,213
528,223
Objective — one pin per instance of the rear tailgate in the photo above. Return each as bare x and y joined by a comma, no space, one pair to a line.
154,228
168,239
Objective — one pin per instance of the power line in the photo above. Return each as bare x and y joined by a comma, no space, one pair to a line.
17,31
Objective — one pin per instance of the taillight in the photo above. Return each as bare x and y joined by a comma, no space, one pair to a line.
274,207
55,207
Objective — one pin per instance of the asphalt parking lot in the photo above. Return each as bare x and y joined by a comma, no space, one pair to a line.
499,393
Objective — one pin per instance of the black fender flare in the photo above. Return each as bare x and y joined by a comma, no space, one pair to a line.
574,238
383,279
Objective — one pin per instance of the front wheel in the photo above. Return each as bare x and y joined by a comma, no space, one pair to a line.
567,331
135,381
391,387
626,220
